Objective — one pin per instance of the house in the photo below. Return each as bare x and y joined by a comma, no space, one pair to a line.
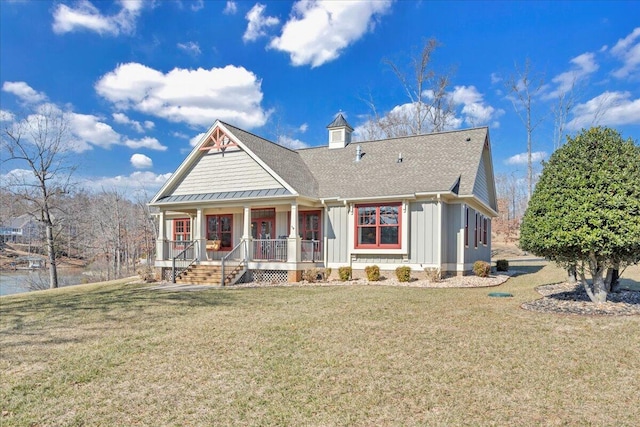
21,229
240,207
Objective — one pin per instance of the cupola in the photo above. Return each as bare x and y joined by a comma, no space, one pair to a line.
339,132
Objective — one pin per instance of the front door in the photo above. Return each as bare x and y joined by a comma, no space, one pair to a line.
263,228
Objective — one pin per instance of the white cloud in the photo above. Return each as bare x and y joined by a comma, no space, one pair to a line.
25,92
291,143
194,141
197,97
258,23
86,16
475,112
140,161
148,124
197,5
6,116
303,127
123,119
583,66
495,78
88,128
230,8
191,48
146,142
318,30
628,51
521,159
609,109
144,182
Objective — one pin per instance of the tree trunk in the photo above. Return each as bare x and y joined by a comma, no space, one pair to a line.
53,268
571,274
599,287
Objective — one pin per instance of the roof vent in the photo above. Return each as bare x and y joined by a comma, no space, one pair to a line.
399,157
358,153
468,138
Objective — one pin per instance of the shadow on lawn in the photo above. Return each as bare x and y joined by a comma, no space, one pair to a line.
111,304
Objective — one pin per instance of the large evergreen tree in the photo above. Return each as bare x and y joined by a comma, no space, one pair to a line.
585,209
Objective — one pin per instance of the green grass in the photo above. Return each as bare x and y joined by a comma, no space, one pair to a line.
121,354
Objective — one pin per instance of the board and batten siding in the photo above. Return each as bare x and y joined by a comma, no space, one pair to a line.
423,237
337,232
231,171
480,188
482,252
452,233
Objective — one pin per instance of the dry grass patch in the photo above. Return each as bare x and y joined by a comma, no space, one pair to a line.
344,355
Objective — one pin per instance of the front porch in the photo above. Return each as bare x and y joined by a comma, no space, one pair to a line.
256,259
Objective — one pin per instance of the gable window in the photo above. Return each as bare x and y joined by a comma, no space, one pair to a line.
219,227
182,229
378,226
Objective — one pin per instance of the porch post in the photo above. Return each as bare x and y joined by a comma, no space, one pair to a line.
294,241
294,221
200,234
161,238
246,225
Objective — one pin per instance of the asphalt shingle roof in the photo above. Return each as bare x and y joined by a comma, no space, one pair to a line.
430,163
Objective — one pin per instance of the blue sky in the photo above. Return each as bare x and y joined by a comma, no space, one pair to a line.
141,80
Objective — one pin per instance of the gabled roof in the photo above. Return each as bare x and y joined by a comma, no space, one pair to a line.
431,163
445,162
285,162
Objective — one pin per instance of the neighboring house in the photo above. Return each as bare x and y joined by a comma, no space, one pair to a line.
260,210
21,229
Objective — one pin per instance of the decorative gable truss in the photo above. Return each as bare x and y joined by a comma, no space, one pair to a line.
218,140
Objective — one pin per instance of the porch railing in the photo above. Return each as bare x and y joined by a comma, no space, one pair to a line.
237,257
310,251
184,258
269,249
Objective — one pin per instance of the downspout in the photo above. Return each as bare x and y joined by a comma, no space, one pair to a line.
325,240
439,255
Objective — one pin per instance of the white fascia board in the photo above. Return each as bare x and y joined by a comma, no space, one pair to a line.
258,160
374,198
475,202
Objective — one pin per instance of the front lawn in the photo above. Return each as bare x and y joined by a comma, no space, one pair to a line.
122,354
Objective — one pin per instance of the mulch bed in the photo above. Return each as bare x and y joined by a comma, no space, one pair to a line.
567,298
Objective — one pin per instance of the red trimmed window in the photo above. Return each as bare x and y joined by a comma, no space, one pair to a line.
219,227
182,229
378,226
309,225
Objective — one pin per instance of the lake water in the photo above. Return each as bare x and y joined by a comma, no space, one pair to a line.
15,282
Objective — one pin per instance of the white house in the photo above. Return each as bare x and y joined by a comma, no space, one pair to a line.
240,206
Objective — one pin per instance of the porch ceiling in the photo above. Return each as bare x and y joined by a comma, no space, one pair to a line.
225,195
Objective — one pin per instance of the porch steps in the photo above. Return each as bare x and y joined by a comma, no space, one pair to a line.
198,274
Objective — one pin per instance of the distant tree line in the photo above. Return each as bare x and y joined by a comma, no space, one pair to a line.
109,233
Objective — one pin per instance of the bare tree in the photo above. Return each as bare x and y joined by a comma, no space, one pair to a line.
41,142
523,86
430,107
